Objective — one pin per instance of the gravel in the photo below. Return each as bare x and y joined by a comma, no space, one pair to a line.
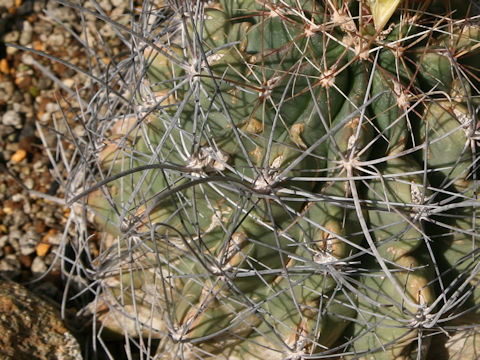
31,226
12,118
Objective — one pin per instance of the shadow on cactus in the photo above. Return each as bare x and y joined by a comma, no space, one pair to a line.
289,179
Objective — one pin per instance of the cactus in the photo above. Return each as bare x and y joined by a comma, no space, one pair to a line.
286,180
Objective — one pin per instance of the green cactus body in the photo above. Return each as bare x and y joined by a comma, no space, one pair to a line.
380,306
332,220
397,223
460,258
391,82
450,154
278,176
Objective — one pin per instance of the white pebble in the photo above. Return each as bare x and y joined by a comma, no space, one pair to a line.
26,34
8,3
17,197
120,4
56,40
10,266
38,265
69,82
12,118
52,107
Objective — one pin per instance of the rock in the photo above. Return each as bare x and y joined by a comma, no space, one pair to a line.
28,242
8,4
29,183
32,328
120,4
12,36
56,40
5,130
14,236
62,13
26,34
47,289
19,218
69,82
12,118
10,267
107,31
18,156
38,266
3,240
106,5
18,197
6,91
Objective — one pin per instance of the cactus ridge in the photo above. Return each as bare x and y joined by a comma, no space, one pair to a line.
288,179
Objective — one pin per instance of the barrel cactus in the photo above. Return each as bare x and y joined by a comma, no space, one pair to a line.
286,179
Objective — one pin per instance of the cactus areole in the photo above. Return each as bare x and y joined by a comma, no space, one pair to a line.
289,179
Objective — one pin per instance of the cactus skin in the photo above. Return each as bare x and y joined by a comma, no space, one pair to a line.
285,172
382,309
399,231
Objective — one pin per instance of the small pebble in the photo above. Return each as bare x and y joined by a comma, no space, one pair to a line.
64,14
11,50
3,240
19,219
18,197
4,68
69,82
11,146
10,266
39,227
106,5
27,208
49,235
12,36
51,259
53,237
12,118
5,130
56,39
118,14
29,183
19,155
107,31
38,266
28,242
6,91
26,34
52,107
25,260
42,249
8,249
79,130
14,235
8,3
120,4
37,165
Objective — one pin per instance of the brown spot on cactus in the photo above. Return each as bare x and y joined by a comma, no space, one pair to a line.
254,126
296,134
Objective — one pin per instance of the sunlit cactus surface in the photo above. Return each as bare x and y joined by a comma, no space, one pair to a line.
285,179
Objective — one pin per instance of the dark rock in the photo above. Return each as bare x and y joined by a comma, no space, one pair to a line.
31,328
